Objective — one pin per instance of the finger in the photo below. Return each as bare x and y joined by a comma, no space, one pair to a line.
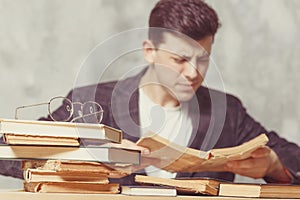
131,145
250,167
261,152
244,164
144,151
145,162
250,172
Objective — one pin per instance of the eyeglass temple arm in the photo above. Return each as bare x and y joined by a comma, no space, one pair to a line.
27,106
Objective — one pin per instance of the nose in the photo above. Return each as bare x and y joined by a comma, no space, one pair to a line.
190,71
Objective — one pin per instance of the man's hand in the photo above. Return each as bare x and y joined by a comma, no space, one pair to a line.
131,145
145,161
263,162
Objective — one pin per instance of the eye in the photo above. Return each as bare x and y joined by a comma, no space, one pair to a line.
204,59
178,60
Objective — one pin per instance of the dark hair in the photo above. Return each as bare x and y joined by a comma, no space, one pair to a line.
193,18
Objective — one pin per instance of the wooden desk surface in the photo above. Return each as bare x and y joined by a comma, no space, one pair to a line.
20,195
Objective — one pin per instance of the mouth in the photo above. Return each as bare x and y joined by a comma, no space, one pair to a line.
187,84
186,87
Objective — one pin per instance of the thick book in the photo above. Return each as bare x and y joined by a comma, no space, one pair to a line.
148,191
90,153
72,187
259,190
183,186
69,166
176,158
51,133
42,175
13,139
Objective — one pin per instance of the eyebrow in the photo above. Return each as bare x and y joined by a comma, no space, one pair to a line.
184,55
188,57
204,55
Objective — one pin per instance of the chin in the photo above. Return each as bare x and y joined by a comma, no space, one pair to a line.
183,97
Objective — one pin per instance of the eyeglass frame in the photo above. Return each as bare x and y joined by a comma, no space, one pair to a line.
72,109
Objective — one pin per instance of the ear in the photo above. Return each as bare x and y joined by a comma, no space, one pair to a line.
149,51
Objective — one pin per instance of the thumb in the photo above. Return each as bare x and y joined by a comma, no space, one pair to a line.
261,152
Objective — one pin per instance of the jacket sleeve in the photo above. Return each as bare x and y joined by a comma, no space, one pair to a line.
11,167
288,152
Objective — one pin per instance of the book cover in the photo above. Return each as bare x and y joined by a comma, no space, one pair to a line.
176,158
90,153
72,187
30,131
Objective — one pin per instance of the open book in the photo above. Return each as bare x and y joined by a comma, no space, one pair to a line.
176,158
31,132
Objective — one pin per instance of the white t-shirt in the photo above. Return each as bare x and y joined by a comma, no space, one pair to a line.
170,123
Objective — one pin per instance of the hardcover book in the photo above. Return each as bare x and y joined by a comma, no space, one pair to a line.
69,166
42,175
13,139
183,186
71,187
90,153
259,190
55,133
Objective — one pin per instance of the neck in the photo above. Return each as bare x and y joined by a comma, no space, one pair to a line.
155,91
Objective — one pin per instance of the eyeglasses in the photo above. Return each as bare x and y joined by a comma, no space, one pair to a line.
89,112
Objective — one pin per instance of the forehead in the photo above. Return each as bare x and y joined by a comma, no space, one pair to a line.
182,45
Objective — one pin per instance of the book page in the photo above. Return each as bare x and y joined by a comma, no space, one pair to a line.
176,158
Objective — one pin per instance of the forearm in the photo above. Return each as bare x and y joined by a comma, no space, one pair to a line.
277,172
288,154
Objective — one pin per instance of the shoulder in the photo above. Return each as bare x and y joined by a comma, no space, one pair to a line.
107,86
217,97
103,92
97,92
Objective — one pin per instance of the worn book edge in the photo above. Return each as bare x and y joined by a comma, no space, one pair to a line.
184,186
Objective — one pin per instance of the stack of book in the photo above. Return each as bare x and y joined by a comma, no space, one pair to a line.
68,176
67,157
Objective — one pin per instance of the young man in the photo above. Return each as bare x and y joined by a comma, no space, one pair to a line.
167,98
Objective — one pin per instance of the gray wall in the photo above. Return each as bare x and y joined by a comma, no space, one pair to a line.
44,42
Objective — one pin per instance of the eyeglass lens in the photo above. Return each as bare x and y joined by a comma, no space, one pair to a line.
67,109
89,112
92,112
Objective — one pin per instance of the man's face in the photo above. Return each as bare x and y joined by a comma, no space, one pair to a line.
180,64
